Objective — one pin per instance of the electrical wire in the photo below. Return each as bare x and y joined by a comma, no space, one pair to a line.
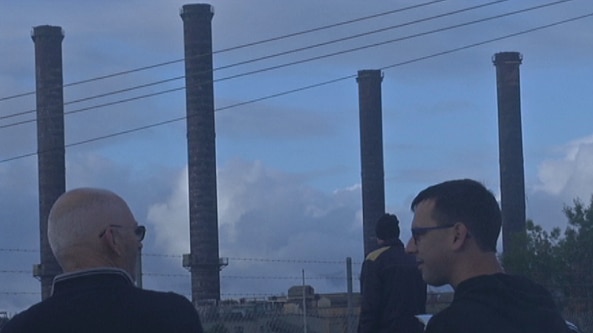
390,41
465,47
233,48
408,37
300,49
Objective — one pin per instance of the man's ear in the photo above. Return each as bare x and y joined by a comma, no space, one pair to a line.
460,235
111,241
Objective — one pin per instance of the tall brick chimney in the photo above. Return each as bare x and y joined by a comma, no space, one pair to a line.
371,154
510,145
203,261
50,140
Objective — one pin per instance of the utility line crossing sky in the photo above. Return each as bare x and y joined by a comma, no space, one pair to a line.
287,134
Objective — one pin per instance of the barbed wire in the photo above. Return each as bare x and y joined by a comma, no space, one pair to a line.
294,261
15,272
162,255
20,293
172,255
246,277
251,294
18,250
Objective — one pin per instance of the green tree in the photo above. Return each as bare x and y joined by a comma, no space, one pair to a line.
577,250
562,262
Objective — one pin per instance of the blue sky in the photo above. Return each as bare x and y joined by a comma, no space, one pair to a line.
289,167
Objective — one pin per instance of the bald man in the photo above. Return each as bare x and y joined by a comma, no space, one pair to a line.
96,240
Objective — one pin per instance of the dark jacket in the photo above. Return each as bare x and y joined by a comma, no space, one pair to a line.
499,303
105,300
392,291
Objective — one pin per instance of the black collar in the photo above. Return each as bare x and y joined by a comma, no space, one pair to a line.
101,273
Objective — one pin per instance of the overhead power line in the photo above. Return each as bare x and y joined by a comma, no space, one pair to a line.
241,46
408,37
309,47
416,35
84,99
364,34
453,50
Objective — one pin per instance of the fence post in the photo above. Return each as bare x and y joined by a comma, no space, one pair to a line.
350,318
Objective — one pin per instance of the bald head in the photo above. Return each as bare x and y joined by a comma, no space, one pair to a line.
76,221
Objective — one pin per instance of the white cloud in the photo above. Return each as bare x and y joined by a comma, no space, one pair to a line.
261,211
170,219
561,179
571,175
268,214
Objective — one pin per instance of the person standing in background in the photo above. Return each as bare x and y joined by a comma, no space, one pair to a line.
391,286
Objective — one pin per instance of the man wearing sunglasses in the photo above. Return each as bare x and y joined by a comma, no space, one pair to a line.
96,240
454,234
392,289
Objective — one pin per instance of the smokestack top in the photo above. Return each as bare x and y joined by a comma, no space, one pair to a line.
197,9
507,58
47,31
369,74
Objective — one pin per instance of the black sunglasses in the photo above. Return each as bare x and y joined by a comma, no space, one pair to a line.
139,231
419,231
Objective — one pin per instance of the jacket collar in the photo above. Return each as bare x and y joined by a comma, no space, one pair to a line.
393,242
107,272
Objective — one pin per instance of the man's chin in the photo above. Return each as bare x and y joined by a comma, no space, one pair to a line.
432,281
